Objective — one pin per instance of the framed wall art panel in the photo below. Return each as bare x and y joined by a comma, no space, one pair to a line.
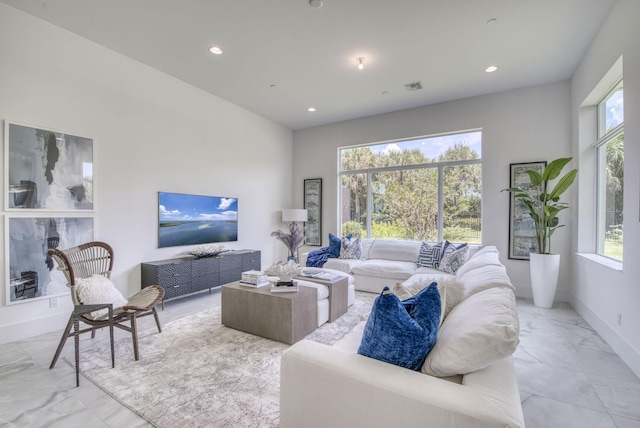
313,204
522,231
47,170
31,273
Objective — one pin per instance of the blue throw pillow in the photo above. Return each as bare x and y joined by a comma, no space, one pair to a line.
317,258
334,245
430,255
453,257
402,332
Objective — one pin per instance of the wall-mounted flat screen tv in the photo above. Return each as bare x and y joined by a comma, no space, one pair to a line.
196,219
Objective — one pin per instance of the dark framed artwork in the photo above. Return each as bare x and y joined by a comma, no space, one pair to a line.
47,170
313,205
522,231
31,273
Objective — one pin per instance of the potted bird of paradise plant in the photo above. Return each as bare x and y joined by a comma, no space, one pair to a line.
542,203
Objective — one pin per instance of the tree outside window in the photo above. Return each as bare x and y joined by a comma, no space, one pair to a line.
610,155
422,189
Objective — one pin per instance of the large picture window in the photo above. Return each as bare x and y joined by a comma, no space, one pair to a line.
425,188
610,164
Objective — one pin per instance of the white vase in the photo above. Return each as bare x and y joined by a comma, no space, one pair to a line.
545,269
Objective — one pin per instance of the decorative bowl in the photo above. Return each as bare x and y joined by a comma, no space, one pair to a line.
208,250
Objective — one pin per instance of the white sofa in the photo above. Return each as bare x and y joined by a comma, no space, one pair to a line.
333,386
384,262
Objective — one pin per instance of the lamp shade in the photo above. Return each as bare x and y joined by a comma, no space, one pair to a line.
295,215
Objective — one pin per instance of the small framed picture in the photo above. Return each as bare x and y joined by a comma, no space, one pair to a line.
522,230
313,205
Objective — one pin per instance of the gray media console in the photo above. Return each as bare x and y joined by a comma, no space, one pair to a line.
186,275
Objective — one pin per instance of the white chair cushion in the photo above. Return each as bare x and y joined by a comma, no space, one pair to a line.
98,289
479,331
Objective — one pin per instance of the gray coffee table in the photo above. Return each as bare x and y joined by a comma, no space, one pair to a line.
285,317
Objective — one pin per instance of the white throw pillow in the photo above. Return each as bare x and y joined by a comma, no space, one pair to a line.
98,289
452,290
479,331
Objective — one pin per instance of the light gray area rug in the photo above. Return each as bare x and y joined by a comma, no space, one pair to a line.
198,373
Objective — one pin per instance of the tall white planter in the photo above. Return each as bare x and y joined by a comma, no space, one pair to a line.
545,269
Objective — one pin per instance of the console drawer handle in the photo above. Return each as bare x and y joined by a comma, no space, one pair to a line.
176,286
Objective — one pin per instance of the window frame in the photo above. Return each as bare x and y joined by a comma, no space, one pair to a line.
370,171
604,136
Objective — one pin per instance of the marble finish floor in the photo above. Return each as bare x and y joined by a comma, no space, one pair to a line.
569,377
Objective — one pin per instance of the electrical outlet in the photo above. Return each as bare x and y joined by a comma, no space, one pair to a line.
53,302
619,319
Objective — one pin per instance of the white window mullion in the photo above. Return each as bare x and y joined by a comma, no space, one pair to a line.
440,203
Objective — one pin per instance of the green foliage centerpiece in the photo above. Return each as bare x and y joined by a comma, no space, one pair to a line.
544,205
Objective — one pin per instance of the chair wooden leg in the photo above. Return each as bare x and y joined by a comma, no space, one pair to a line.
93,333
63,340
134,335
155,315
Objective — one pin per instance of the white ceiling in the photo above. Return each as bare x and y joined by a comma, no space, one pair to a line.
282,56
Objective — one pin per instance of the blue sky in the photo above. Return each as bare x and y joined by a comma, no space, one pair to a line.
432,147
182,207
615,109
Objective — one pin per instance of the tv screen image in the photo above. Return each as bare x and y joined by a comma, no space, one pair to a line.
196,219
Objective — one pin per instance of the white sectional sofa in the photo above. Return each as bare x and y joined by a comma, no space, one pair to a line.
468,378
384,262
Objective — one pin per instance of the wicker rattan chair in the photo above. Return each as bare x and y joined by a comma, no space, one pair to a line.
93,258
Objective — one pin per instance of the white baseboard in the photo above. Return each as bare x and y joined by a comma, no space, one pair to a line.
22,330
628,353
524,291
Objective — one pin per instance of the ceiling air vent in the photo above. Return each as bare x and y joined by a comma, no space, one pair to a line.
415,86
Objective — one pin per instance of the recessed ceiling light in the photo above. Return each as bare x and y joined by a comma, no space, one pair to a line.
491,69
360,62
215,50
492,21
311,109
315,3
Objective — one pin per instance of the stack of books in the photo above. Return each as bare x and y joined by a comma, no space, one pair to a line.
324,276
310,273
285,287
254,278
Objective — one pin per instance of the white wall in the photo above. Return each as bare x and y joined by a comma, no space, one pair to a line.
600,292
522,125
151,132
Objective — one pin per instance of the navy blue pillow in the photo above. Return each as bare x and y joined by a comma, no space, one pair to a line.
402,332
317,258
334,245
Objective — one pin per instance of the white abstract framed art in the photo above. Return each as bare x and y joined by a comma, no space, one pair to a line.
47,170
31,274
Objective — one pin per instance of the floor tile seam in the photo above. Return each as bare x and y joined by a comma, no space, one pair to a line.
611,411
538,361
630,417
634,381
533,394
